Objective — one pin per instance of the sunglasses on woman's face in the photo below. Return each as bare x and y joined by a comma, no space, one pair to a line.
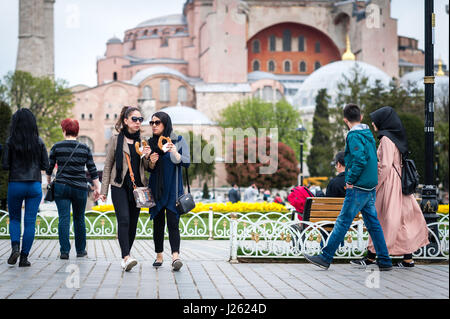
157,122
135,119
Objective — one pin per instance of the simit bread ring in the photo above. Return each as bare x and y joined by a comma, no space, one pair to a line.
137,145
161,139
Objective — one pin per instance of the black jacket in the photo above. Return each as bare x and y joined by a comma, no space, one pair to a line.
234,195
336,187
19,173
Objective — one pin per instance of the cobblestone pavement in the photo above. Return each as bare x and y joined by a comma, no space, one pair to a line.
206,274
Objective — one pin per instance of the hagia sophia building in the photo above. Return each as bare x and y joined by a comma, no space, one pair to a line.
195,63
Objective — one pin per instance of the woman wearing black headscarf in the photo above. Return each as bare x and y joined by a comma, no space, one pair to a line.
117,174
401,218
165,165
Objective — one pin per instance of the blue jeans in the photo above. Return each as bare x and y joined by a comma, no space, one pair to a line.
31,193
355,201
66,195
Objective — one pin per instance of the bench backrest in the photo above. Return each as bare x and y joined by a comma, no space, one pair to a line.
323,208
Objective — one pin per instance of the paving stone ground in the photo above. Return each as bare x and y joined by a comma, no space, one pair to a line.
206,274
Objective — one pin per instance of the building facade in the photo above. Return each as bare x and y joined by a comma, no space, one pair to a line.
216,52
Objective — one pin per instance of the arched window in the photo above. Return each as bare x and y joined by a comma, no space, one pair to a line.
267,93
271,66
302,66
317,47
287,40
107,116
164,90
287,66
272,43
145,33
133,46
257,93
82,116
256,47
301,43
278,95
147,93
317,65
86,140
256,65
182,94
115,76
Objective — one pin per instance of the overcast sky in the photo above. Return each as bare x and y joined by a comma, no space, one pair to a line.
82,28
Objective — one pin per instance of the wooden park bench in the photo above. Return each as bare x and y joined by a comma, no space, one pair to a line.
319,209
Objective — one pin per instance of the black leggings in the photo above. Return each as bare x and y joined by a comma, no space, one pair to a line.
173,228
127,218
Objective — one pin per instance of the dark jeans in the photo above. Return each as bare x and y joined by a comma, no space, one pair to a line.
173,222
66,195
127,217
358,201
31,193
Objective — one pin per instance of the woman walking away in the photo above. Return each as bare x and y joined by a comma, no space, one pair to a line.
165,167
71,186
25,156
404,227
117,174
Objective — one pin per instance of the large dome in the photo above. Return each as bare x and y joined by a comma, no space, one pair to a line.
415,78
329,76
172,19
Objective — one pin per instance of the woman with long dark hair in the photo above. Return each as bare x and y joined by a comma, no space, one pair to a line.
25,156
71,186
404,227
165,165
117,174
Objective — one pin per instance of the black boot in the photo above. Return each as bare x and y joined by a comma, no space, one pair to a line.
14,254
23,262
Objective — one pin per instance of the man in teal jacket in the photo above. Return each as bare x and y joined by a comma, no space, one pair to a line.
361,178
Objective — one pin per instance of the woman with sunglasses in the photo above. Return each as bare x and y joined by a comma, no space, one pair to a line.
117,174
165,166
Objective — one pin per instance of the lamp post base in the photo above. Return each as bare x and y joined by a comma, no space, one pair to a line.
429,206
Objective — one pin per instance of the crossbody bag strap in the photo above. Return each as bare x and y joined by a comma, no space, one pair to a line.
70,157
130,169
176,180
401,160
187,180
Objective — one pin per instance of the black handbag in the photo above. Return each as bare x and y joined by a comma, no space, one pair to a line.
185,203
410,176
50,196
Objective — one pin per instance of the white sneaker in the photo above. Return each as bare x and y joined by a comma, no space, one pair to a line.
129,264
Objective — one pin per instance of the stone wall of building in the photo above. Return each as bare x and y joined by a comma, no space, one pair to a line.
212,103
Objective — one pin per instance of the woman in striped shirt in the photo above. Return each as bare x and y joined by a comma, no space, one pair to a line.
71,186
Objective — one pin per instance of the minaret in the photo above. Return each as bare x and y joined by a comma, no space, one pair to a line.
35,53
49,44
348,55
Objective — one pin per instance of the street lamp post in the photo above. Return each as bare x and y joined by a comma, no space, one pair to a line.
301,129
429,202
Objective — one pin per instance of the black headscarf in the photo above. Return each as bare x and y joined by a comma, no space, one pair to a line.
119,151
153,143
389,124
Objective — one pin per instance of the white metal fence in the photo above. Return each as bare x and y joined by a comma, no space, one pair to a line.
251,235
292,239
